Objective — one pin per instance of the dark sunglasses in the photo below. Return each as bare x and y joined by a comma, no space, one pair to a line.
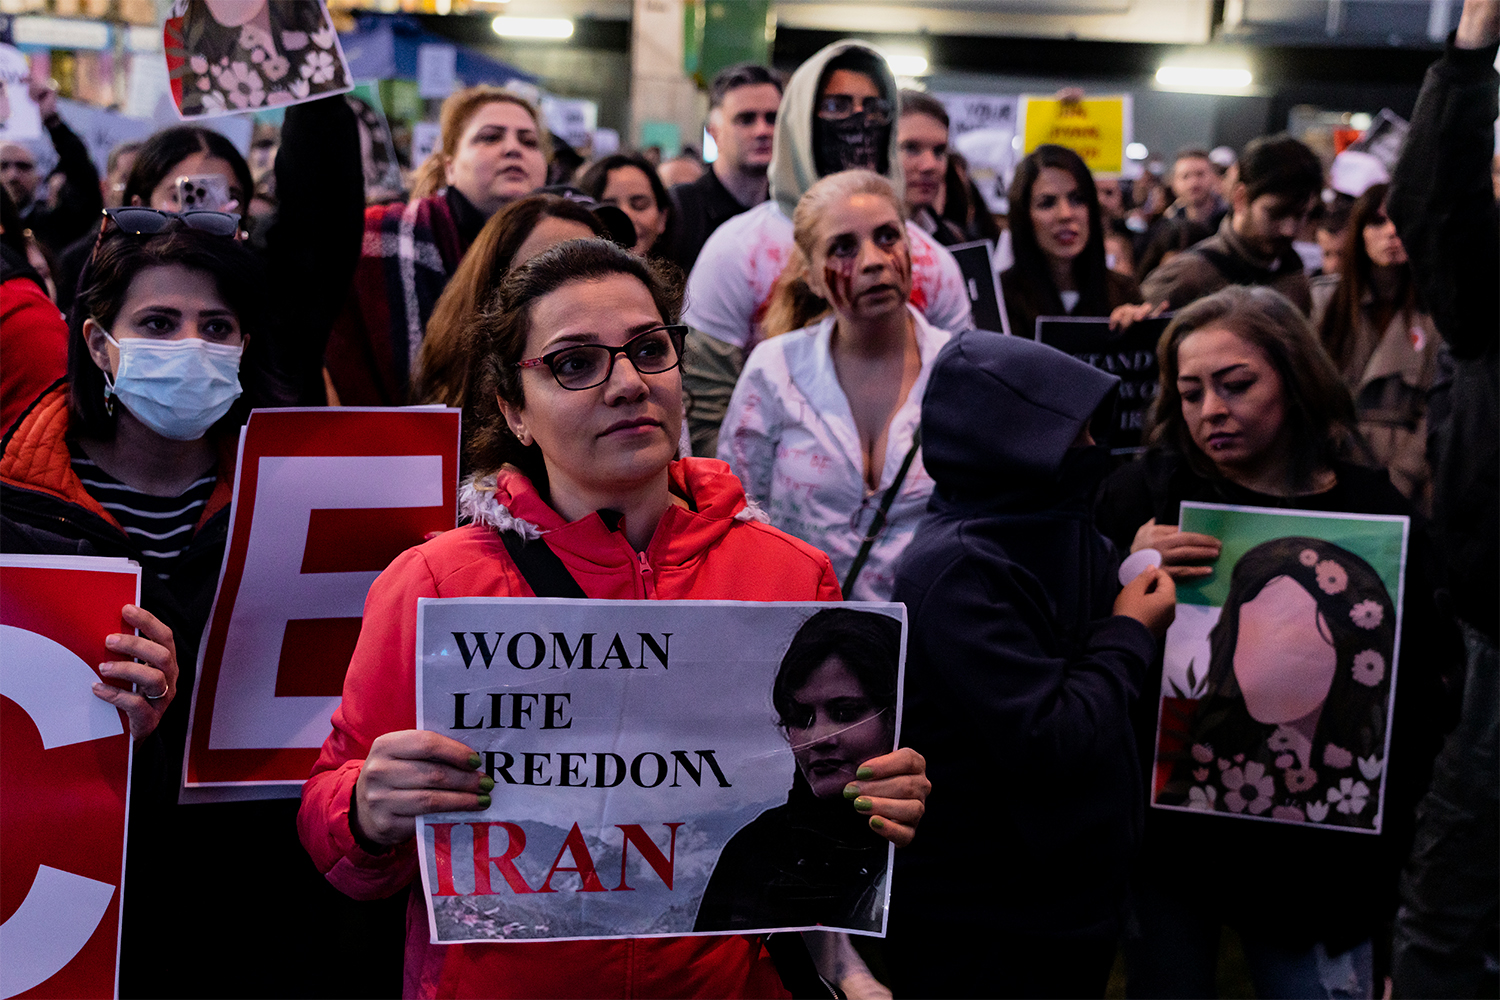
584,366
836,107
139,221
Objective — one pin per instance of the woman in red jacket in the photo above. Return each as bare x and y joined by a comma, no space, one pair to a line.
584,445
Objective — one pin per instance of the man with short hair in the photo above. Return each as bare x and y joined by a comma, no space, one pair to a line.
742,105
922,144
1195,183
1279,181
73,205
18,174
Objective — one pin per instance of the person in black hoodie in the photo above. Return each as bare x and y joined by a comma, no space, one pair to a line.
1024,658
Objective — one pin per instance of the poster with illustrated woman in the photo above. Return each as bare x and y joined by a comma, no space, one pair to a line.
1280,669
226,57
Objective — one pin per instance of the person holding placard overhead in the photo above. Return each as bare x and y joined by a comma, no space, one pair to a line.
583,413
822,427
1252,412
1057,235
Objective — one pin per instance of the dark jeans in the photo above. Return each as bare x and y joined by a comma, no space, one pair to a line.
1446,931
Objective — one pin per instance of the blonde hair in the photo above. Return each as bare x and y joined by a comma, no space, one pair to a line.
793,304
460,106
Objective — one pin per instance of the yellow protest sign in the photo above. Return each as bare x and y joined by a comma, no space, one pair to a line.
1096,128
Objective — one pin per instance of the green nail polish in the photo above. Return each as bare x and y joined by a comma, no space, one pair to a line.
863,805
474,761
486,783
877,823
851,791
484,801
865,773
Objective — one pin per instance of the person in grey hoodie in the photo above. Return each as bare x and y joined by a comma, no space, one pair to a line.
838,113
1024,657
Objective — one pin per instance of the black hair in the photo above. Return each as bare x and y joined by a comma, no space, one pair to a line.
1089,267
500,337
160,154
1359,616
737,76
237,275
866,642
1280,165
596,178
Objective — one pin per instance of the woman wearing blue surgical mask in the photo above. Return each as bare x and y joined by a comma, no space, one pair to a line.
133,456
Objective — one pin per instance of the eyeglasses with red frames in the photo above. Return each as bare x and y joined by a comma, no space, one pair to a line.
584,366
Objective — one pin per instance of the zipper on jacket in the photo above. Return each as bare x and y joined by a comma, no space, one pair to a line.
648,582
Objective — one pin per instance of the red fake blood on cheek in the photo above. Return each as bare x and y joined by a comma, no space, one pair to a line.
901,262
838,278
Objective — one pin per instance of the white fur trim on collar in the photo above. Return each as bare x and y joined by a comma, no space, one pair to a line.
476,501
752,512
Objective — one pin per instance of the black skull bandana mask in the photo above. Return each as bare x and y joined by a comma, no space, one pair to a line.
851,143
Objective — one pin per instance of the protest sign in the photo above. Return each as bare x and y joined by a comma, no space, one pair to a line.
641,775
1096,128
975,260
64,775
1280,669
1128,353
377,151
20,118
437,70
324,499
266,55
983,128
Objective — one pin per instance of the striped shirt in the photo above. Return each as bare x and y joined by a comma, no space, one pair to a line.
159,527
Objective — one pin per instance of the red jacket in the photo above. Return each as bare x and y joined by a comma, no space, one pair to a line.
36,347
713,551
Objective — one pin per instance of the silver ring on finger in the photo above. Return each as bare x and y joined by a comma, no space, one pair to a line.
156,697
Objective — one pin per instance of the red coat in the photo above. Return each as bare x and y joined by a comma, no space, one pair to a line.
711,552
36,347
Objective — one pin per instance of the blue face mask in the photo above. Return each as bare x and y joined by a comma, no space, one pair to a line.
178,388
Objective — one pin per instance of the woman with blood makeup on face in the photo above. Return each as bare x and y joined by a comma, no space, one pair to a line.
1251,412
580,406
1384,343
1057,234
822,428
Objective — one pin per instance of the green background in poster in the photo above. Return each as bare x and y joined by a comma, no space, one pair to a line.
1381,542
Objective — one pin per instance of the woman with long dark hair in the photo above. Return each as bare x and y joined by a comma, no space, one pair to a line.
1057,236
630,184
1383,341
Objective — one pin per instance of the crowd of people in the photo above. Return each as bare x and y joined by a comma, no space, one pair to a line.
763,382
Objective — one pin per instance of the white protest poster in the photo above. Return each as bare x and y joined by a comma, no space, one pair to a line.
425,137
437,70
983,128
660,767
1279,678
65,760
324,499
226,59
20,119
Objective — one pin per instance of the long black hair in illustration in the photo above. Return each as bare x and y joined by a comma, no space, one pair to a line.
1345,758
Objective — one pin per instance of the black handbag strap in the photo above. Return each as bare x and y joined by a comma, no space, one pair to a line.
877,524
542,570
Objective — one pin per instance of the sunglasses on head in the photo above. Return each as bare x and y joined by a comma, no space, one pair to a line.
140,221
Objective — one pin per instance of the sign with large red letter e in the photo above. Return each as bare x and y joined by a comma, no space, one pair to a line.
64,775
324,499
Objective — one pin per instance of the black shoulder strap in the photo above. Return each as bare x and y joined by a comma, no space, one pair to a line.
542,570
877,524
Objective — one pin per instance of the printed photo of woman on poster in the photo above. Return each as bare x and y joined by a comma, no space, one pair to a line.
815,860
229,56
1292,725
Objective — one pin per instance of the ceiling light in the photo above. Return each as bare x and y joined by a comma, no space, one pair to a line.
1204,79
1136,151
906,64
532,27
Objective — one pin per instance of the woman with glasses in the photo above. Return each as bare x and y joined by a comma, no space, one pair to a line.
133,456
1384,343
583,411
822,427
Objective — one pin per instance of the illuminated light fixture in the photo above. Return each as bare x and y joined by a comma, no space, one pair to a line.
906,64
1204,79
532,27
1136,151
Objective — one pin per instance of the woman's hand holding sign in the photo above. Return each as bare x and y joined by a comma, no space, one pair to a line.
892,789
154,677
1183,553
410,772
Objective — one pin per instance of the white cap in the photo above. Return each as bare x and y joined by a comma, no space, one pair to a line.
1353,173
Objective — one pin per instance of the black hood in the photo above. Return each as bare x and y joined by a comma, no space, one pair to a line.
1000,412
